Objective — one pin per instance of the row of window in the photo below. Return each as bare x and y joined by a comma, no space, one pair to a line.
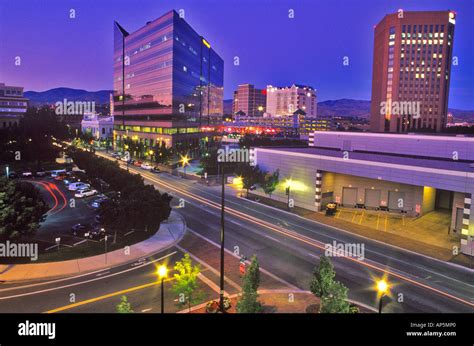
159,130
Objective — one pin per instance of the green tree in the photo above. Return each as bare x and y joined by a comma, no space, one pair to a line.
332,294
251,175
249,303
185,285
162,154
21,209
270,182
124,307
208,163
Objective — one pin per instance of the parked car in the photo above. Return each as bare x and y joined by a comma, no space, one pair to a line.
116,155
137,163
63,175
27,174
253,187
146,166
96,203
85,193
155,170
80,229
40,174
77,186
56,172
13,175
70,180
96,233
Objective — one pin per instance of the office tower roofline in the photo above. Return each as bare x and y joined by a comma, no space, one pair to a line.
291,86
176,14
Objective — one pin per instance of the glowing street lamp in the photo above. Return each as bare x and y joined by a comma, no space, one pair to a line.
184,161
382,289
162,274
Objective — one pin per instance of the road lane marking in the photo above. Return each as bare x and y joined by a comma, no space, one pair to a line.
274,239
84,282
105,296
354,215
263,270
211,284
301,238
361,216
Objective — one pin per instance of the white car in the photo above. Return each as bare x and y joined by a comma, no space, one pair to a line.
78,186
85,193
26,174
146,166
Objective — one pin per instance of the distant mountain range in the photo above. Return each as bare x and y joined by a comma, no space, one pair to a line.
59,94
344,108
341,107
361,109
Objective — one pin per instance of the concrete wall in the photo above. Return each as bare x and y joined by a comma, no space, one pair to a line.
458,202
448,147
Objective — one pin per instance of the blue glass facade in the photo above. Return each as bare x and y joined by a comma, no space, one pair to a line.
165,76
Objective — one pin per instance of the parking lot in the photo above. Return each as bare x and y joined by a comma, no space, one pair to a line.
66,211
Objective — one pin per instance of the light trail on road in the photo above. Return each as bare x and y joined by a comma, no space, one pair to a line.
293,235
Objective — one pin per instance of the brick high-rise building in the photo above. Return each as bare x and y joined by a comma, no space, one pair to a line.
411,71
249,100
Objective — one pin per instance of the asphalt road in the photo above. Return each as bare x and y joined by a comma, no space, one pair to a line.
287,245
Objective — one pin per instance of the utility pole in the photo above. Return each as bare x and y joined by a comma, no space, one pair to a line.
221,296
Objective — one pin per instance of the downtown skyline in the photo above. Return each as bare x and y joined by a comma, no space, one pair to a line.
61,63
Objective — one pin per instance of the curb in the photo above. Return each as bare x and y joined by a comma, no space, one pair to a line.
459,266
104,266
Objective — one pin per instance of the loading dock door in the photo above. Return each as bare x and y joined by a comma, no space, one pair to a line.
396,200
349,196
372,198
459,217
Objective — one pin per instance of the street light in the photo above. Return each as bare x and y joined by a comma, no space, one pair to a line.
162,273
382,289
221,281
288,184
184,161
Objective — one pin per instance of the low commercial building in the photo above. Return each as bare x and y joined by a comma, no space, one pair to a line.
13,105
101,128
405,174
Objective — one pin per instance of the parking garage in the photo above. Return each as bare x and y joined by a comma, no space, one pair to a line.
424,181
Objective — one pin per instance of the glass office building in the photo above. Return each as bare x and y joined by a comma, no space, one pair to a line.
168,84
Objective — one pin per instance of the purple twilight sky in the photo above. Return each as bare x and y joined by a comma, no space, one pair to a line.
57,51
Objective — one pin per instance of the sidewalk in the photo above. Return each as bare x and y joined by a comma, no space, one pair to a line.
169,234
